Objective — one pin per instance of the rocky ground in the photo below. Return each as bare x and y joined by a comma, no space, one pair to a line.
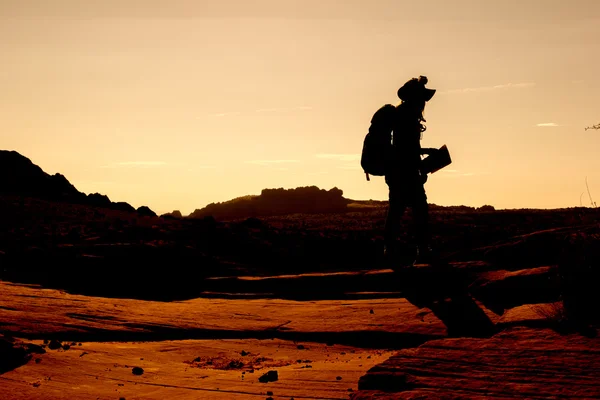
380,346
101,304
192,369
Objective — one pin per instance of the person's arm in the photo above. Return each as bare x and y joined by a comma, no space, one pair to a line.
428,150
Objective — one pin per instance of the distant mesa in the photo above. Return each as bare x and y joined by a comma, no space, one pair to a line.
301,200
175,214
21,177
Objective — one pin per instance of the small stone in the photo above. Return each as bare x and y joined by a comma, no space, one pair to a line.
301,347
34,348
235,364
339,378
269,393
270,376
137,371
371,311
244,353
54,344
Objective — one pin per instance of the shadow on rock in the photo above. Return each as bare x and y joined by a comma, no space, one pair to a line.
14,354
445,292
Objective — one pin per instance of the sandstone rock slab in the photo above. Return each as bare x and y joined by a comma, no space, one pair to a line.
517,363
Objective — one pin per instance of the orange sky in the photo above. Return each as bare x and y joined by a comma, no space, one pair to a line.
177,104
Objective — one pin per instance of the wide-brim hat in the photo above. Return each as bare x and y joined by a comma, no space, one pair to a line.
415,90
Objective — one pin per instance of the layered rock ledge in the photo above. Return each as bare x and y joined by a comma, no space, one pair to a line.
517,363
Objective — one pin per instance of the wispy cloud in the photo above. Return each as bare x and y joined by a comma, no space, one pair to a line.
339,157
271,162
344,160
226,114
135,164
283,109
520,85
547,124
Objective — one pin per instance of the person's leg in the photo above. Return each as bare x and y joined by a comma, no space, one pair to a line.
396,208
421,225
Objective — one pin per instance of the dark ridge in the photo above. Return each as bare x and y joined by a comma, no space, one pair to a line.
21,177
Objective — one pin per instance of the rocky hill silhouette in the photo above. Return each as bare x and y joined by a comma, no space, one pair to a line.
21,177
301,200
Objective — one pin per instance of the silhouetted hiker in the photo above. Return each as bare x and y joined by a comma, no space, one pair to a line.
402,170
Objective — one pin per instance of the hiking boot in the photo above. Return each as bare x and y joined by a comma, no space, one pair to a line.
392,256
424,255
390,253
398,258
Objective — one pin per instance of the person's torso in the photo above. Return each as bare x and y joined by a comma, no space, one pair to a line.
405,153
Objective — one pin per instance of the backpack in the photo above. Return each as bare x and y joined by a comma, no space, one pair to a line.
378,142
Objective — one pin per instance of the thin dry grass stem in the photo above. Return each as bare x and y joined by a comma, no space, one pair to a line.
589,194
